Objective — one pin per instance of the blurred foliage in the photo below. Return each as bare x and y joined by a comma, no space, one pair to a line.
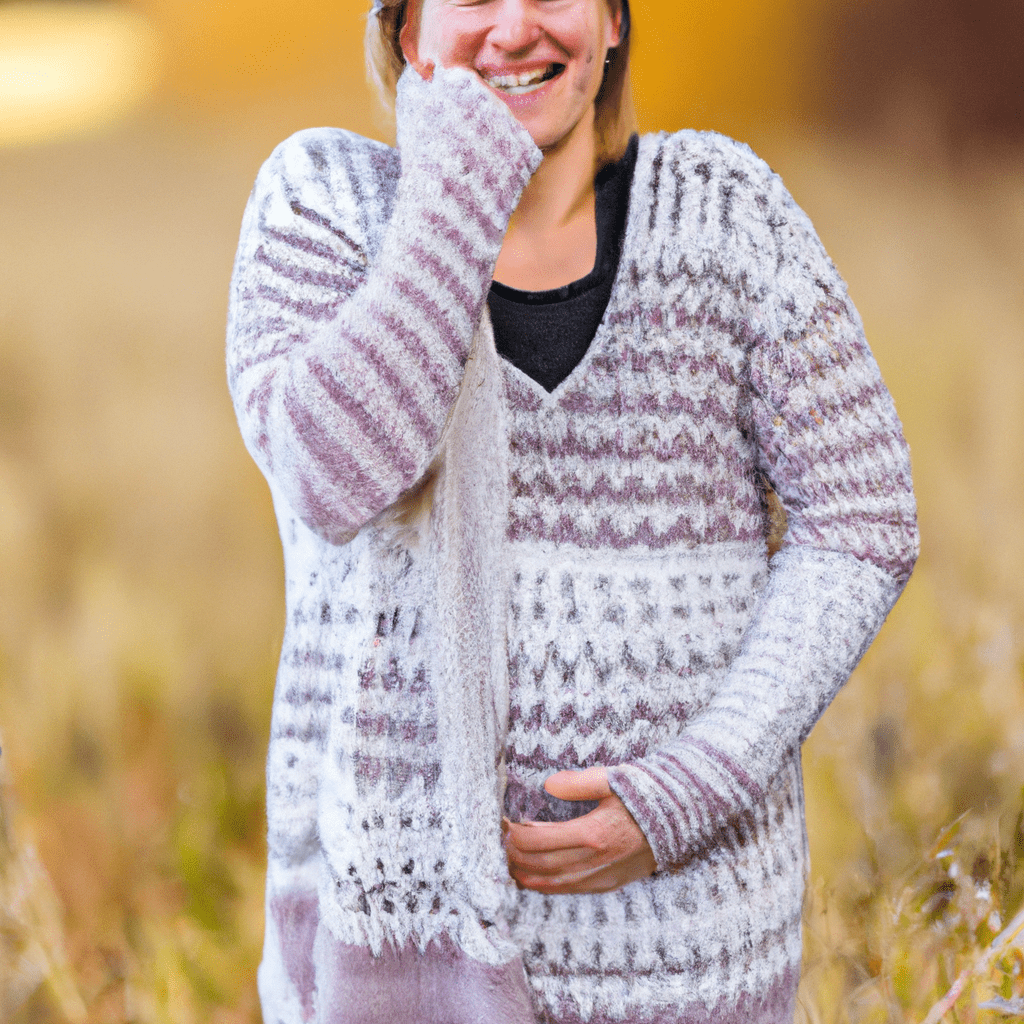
917,933
141,590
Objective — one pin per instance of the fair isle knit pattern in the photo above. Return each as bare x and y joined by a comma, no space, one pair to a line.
605,542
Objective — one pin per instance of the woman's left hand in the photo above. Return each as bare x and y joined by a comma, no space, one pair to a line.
599,852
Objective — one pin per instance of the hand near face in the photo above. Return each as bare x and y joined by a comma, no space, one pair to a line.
425,69
602,851
544,59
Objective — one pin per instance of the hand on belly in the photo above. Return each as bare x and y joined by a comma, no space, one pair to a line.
598,852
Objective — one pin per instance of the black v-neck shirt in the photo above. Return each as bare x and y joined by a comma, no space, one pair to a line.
546,334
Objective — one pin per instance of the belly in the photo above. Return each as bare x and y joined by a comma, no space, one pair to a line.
610,653
718,940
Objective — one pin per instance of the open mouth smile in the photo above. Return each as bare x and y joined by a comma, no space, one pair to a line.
529,81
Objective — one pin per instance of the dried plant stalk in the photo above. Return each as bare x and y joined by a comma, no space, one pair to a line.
999,946
31,934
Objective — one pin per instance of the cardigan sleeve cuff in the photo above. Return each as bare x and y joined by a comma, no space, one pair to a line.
463,152
817,615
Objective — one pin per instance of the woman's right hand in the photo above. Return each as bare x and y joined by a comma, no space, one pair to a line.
452,107
424,68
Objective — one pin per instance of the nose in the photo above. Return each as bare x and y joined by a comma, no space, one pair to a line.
516,25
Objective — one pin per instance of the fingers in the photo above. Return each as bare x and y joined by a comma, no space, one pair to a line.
546,872
425,69
546,851
589,784
576,858
545,836
552,849
608,828
597,852
595,874
596,879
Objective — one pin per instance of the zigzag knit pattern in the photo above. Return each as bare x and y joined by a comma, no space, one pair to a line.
646,629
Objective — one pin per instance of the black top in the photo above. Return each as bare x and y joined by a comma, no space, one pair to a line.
546,334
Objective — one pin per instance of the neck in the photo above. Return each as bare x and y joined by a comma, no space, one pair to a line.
563,184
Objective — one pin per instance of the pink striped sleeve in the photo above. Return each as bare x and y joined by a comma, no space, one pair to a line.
357,291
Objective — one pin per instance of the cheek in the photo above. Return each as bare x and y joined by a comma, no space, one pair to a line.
453,38
435,40
587,69
461,51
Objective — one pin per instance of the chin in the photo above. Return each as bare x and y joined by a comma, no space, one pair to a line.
545,134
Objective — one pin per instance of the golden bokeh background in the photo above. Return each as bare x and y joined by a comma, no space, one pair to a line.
141,596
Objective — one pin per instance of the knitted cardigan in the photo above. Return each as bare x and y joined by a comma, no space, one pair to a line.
487,582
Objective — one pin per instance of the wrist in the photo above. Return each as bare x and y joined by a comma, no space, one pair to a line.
453,130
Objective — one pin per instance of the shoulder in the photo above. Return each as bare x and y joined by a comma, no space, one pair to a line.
331,157
324,181
715,200
706,154
715,182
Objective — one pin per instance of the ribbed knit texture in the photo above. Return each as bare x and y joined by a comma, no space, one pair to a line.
642,624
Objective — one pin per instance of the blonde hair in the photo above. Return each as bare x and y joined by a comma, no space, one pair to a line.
615,116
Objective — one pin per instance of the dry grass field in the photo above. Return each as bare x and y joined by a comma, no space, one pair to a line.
141,591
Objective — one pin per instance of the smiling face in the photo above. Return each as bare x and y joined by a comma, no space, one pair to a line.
543,58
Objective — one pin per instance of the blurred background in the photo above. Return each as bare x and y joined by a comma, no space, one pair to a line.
141,603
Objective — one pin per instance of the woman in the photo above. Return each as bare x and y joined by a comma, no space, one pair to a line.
520,388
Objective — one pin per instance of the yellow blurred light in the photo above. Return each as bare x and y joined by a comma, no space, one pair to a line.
727,65
69,68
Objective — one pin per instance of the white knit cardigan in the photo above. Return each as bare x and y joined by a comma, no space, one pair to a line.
366,384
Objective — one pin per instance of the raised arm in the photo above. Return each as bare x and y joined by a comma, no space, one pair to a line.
343,362
831,445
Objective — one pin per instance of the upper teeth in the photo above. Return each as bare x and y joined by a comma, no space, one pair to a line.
518,81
